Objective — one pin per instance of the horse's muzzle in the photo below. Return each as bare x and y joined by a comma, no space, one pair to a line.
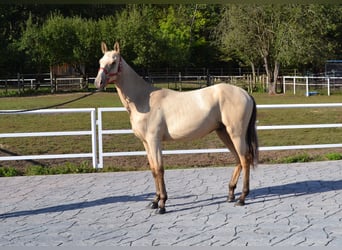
99,82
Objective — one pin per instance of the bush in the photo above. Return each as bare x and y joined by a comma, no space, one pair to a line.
334,156
36,170
297,158
8,172
67,168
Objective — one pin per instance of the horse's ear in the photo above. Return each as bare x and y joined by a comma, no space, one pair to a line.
104,47
117,47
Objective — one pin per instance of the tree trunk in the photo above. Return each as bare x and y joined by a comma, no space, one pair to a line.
253,77
275,74
270,83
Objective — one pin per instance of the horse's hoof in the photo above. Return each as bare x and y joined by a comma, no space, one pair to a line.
240,203
153,205
161,210
230,199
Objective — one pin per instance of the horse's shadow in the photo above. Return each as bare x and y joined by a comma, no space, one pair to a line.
266,194
78,205
257,195
294,189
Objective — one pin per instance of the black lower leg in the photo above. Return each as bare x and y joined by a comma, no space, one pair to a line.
241,201
154,203
161,209
231,195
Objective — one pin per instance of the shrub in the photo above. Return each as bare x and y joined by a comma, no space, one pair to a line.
297,158
8,172
334,156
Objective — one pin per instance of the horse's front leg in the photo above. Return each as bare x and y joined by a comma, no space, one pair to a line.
154,155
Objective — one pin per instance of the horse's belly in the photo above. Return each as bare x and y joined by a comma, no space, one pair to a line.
188,129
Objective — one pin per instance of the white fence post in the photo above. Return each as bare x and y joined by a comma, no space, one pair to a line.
93,138
307,85
99,129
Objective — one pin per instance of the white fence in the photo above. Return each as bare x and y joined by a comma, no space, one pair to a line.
101,132
91,132
311,82
98,155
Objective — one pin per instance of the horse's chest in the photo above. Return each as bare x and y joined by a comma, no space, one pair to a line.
146,124
140,125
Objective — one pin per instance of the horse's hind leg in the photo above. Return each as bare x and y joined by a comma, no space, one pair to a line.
245,162
224,136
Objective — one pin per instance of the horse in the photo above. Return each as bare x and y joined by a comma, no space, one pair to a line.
158,114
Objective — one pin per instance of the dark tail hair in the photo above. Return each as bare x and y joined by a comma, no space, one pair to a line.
252,137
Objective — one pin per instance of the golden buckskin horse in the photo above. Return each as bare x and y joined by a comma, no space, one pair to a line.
158,115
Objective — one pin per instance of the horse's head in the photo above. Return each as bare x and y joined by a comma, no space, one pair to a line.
110,66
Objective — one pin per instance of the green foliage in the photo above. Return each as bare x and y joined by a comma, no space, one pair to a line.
135,30
175,35
334,156
33,37
297,158
37,170
31,43
61,39
67,168
8,172
278,35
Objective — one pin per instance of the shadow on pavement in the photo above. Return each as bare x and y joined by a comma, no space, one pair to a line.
265,193
78,205
294,189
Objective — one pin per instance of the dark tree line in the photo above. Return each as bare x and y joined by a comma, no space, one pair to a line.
267,37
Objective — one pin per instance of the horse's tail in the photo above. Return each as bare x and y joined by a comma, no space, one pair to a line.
252,137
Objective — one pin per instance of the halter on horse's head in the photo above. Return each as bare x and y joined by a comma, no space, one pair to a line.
110,66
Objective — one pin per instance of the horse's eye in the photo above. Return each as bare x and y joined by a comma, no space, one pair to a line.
114,60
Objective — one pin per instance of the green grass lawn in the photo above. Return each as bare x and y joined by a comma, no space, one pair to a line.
120,120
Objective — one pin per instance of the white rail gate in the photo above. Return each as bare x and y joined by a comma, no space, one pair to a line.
98,153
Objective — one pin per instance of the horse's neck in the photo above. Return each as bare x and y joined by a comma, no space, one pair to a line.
132,89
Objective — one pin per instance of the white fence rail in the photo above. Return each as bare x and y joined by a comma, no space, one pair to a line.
98,154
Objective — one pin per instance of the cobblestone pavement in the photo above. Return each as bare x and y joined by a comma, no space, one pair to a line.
289,205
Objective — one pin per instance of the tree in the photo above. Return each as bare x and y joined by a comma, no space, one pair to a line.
278,34
61,40
175,33
202,18
31,43
236,37
86,52
135,29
